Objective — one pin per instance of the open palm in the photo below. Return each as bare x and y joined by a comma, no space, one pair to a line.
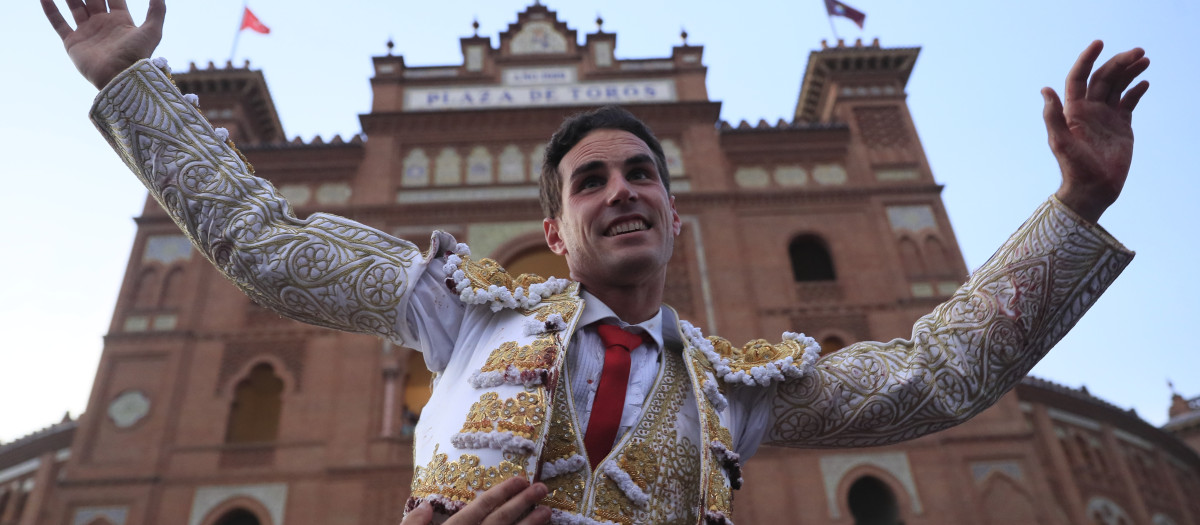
1092,138
105,40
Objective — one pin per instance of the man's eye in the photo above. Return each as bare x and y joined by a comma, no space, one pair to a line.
591,182
638,175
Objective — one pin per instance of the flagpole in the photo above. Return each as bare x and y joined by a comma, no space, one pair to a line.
833,28
237,35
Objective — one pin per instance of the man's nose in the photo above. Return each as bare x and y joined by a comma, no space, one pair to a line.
620,189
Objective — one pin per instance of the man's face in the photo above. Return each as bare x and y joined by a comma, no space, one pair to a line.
617,224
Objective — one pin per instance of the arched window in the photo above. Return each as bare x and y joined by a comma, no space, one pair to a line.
254,413
143,294
810,259
936,257
538,260
239,517
831,344
172,289
872,502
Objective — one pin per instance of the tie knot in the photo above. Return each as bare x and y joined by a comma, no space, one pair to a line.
613,335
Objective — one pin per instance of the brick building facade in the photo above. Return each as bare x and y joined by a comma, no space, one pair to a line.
209,410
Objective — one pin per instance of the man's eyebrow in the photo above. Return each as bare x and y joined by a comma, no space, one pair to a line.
640,158
584,168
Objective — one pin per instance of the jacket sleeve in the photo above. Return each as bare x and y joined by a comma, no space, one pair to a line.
324,270
965,354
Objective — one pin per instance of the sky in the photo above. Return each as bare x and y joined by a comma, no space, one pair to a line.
68,203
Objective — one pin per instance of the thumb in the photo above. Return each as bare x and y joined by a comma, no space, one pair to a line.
421,515
1057,131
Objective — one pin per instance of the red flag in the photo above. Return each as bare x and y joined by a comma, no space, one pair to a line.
251,22
836,8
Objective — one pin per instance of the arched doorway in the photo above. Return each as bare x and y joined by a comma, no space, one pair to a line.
872,502
239,517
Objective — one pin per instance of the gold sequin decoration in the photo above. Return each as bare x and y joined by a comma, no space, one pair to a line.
758,352
522,415
566,491
655,453
565,309
538,355
461,480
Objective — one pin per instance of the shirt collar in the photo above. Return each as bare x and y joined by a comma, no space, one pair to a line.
594,310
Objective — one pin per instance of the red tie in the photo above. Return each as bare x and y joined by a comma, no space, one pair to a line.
610,394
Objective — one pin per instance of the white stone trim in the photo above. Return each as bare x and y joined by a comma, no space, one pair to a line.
115,515
1067,417
835,466
272,496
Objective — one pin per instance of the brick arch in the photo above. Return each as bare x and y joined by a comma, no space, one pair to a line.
910,256
239,502
146,289
522,245
1005,500
826,336
170,294
281,370
937,258
256,413
907,504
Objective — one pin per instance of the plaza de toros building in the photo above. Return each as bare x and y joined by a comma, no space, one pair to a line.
208,410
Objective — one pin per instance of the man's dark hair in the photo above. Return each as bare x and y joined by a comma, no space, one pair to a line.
573,130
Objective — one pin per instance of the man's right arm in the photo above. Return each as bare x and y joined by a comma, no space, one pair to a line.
324,270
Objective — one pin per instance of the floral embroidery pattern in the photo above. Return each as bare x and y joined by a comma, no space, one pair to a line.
966,354
323,270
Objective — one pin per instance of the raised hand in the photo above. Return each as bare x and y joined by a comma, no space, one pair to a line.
511,502
105,40
1093,138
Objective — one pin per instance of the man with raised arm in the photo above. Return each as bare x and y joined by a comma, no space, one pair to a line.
589,388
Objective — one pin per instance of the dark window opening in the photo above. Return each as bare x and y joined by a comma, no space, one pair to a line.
810,259
872,503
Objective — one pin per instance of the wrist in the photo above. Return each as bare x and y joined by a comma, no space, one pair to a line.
1086,207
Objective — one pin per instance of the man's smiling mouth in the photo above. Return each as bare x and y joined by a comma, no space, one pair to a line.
635,225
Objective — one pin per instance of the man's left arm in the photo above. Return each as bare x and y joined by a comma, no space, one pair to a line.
976,346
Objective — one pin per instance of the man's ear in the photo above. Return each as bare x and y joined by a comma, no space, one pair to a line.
676,222
553,240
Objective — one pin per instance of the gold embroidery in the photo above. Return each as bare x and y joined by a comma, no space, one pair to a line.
566,491
656,454
756,353
538,355
522,415
565,309
461,480
486,272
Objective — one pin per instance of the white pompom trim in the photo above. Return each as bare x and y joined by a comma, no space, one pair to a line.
498,297
221,133
503,441
626,484
553,323
558,467
161,63
727,457
511,375
192,99
562,517
762,375
713,393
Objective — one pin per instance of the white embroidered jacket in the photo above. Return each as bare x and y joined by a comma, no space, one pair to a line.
500,413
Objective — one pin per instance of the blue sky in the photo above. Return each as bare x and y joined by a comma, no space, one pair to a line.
69,202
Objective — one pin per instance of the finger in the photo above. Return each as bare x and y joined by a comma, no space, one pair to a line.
421,515
1077,78
539,516
56,19
517,506
117,5
1057,131
155,16
78,11
96,7
1126,77
1107,75
482,506
1132,96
